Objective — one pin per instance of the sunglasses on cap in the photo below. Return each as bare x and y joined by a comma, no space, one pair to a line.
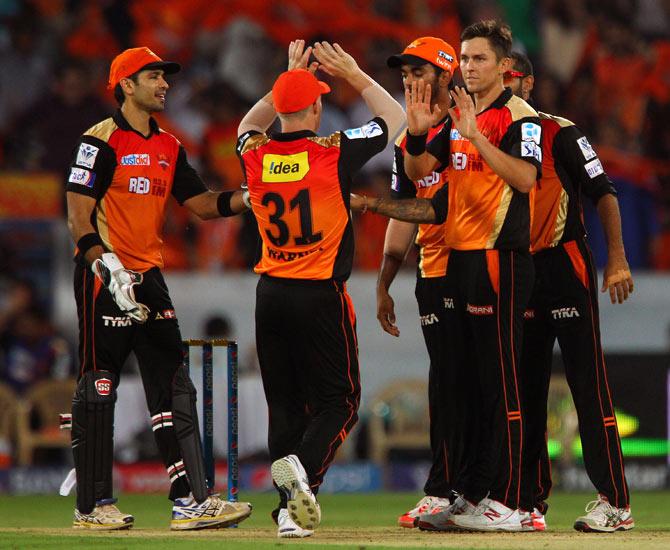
515,74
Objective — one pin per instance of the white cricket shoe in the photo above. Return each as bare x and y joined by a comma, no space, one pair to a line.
533,521
289,529
105,516
291,478
490,515
602,517
410,519
439,518
211,513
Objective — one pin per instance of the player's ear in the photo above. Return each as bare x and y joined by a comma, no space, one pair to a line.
506,64
528,83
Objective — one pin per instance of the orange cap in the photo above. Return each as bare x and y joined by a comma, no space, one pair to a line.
426,49
295,90
128,62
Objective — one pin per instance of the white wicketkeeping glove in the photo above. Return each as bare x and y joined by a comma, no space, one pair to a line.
120,281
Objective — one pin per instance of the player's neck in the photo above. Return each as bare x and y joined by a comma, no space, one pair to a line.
485,98
288,126
137,118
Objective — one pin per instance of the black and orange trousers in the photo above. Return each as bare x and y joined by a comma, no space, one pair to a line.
564,307
486,293
308,356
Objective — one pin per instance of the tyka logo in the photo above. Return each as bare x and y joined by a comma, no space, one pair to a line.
565,313
428,319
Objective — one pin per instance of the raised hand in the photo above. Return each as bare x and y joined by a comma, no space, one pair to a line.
463,113
298,56
421,116
335,61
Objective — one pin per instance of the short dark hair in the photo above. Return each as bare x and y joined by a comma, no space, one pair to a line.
496,32
522,63
118,91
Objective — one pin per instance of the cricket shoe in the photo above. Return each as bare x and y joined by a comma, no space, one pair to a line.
602,517
105,516
289,529
533,521
210,513
489,515
290,478
439,518
410,519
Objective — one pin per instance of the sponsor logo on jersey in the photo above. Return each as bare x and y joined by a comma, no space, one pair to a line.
586,148
529,314
594,168
103,386
169,314
430,180
163,161
139,185
81,176
429,319
111,321
455,135
86,155
459,161
531,132
139,159
278,168
565,313
531,149
479,310
449,303
369,130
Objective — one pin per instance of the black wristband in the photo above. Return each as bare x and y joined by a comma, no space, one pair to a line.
87,242
415,145
223,204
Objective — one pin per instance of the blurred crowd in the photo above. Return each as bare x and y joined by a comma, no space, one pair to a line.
604,65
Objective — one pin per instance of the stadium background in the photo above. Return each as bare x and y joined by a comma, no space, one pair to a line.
606,66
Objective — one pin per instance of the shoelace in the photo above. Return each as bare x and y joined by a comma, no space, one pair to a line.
605,509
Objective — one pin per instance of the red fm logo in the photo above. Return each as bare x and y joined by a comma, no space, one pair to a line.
103,386
139,185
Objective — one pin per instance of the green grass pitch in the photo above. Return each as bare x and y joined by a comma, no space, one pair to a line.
349,521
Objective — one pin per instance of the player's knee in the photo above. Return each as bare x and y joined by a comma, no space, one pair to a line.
96,387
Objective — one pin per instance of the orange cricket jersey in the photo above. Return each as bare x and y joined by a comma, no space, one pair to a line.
570,166
299,190
433,253
131,177
484,212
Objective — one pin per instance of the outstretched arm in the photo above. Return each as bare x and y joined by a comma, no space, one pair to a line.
406,210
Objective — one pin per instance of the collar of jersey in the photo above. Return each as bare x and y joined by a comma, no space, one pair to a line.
290,136
122,123
500,101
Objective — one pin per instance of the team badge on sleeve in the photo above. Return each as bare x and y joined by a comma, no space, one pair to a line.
531,132
82,177
586,148
86,155
594,168
531,149
370,130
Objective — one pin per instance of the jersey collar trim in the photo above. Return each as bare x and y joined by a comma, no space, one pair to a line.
500,101
290,136
122,123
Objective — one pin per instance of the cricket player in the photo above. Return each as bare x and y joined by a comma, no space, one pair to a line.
122,174
564,307
299,186
432,61
492,146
